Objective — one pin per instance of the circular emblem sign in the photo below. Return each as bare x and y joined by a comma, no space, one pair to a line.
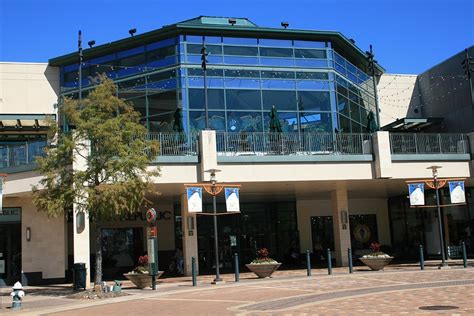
151,215
362,233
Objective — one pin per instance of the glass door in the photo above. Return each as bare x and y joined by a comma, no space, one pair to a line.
10,254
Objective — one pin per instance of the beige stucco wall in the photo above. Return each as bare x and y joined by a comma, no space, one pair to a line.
28,88
395,92
307,208
46,252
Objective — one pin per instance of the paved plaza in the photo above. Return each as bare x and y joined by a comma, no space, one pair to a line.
398,290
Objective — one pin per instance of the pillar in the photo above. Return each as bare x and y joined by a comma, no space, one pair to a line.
340,216
80,222
207,152
382,154
190,240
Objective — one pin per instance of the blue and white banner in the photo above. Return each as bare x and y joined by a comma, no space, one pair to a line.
417,193
232,199
1,195
456,191
194,199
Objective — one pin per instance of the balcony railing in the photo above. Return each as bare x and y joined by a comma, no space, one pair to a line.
18,154
175,144
266,144
427,143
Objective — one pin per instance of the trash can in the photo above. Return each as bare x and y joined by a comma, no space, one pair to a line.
79,280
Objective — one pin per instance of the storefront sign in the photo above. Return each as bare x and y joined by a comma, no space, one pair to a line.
456,191
232,199
417,193
2,266
194,199
10,214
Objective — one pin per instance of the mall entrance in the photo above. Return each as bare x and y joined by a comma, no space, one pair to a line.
259,225
10,253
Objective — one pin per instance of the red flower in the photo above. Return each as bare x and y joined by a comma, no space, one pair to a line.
143,261
375,246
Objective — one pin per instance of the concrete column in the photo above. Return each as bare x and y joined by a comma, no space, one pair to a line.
190,240
80,222
382,154
340,218
207,152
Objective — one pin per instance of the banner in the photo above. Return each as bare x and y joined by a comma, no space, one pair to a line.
456,191
417,193
1,195
232,199
194,199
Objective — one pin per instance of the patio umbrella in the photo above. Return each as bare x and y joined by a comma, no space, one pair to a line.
371,123
178,121
275,125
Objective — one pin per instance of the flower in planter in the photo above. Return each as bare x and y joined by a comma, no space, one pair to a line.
142,266
376,253
263,257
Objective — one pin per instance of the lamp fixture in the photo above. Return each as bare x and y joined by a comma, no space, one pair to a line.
232,21
91,43
28,234
132,31
285,24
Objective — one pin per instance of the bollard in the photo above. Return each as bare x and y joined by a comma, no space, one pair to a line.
329,262
422,258
308,263
349,256
464,255
193,270
236,264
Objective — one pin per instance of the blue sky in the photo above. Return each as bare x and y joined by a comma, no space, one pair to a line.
409,36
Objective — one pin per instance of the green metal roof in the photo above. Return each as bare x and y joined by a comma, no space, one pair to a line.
219,26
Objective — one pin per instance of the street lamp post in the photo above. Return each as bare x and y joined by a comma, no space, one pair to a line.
214,191
436,186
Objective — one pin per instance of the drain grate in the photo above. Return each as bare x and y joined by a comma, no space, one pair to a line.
438,307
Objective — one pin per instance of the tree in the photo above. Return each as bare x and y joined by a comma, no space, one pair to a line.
107,136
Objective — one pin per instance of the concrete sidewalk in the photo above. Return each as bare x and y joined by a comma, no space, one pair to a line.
51,299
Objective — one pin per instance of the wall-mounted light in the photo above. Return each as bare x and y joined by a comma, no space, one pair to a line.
285,24
28,234
91,43
80,222
190,223
232,21
344,217
132,31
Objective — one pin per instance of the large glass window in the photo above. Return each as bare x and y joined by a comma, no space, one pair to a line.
215,99
315,122
240,50
244,121
314,101
197,120
310,53
282,100
243,99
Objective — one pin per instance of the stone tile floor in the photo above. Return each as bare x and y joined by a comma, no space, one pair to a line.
398,290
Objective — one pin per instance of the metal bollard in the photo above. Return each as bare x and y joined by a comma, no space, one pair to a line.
422,258
464,255
349,256
236,264
329,262
193,270
308,263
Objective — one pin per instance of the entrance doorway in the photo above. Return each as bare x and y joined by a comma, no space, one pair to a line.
10,253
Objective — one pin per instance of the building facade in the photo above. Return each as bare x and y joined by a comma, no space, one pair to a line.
326,184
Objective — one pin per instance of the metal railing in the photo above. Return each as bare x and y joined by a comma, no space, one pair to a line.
17,154
264,144
175,144
428,143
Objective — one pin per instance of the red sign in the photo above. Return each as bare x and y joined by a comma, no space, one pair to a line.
153,232
151,215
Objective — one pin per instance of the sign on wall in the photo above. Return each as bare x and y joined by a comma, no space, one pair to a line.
232,199
194,199
10,214
417,193
456,191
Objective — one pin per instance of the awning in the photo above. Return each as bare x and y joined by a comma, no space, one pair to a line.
21,123
412,124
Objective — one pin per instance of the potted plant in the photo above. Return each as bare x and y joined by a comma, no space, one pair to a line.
140,275
376,260
263,266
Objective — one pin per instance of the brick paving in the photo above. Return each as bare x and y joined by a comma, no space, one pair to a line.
396,291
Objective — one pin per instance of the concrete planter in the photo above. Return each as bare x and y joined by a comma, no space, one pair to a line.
376,264
141,280
263,270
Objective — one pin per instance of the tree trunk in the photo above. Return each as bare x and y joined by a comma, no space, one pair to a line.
98,257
